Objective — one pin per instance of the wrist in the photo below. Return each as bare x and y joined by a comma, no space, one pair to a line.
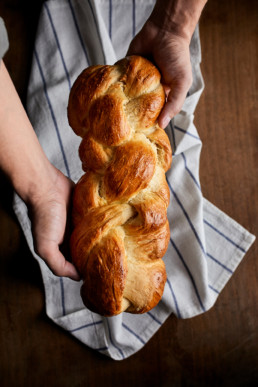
178,17
36,182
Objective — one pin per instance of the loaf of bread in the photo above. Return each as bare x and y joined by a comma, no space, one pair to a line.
121,231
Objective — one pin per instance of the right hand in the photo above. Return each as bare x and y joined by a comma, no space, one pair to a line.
170,52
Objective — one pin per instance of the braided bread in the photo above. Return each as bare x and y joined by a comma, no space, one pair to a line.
121,230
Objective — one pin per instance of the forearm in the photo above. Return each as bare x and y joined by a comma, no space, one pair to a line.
177,16
44,189
21,156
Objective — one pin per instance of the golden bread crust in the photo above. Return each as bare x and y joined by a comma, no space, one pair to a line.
121,230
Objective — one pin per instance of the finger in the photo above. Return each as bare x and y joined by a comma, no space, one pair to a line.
174,103
55,260
171,108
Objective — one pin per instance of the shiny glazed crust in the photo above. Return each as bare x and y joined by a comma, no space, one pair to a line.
121,230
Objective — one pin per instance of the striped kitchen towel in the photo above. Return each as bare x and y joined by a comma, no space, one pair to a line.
205,246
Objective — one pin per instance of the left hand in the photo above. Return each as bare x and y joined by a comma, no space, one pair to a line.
48,213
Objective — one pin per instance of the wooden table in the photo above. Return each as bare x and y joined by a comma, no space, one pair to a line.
218,348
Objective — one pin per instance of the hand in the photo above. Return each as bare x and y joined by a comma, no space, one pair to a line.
170,52
48,213
44,189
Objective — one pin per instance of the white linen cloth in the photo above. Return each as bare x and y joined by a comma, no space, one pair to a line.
206,245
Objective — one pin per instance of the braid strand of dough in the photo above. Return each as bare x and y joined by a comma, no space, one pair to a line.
121,231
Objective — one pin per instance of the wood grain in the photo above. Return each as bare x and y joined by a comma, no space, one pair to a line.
219,347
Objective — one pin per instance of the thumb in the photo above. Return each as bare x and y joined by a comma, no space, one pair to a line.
55,260
175,100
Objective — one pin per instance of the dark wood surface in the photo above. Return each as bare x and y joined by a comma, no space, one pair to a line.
218,348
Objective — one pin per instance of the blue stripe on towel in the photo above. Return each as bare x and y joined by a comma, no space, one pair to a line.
154,318
112,342
86,326
58,44
199,187
133,18
97,29
62,295
133,333
174,297
110,18
52,113
186,132
190,172
214,290
187,217
189,273
224,236
78,32
219,263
